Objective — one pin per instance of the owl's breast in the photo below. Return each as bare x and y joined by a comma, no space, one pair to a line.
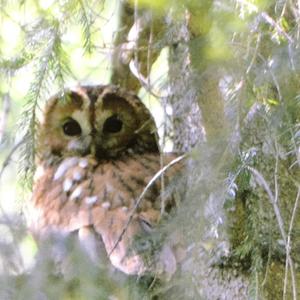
65,195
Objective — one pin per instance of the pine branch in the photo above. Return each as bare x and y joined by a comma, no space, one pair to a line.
85,17
52,63
86,24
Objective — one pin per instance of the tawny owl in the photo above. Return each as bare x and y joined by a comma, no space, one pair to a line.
96,152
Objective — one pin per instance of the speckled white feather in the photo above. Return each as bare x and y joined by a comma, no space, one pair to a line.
91,200
76,193
77,175
64,166
67,185
83,163
106,205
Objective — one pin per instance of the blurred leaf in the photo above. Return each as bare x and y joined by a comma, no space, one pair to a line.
273,102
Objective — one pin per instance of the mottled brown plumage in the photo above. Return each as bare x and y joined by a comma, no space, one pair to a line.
96,153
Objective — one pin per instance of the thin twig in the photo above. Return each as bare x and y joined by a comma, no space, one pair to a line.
6,219
9,156
288,246
283,10
134,65
261,180
140,198
4,115
276,171
162,191
254,54
278,28
134,68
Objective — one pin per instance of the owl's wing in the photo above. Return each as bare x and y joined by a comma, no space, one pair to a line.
81,195
118,236
128,242
128,230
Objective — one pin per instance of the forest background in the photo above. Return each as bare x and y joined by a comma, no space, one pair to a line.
222,81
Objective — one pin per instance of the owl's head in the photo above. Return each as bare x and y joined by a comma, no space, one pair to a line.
103,121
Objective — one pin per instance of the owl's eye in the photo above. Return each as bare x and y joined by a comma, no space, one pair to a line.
71,128
112,125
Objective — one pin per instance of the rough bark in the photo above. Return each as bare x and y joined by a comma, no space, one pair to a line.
199,119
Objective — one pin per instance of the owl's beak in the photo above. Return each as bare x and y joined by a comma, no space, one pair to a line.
82,145
93,149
